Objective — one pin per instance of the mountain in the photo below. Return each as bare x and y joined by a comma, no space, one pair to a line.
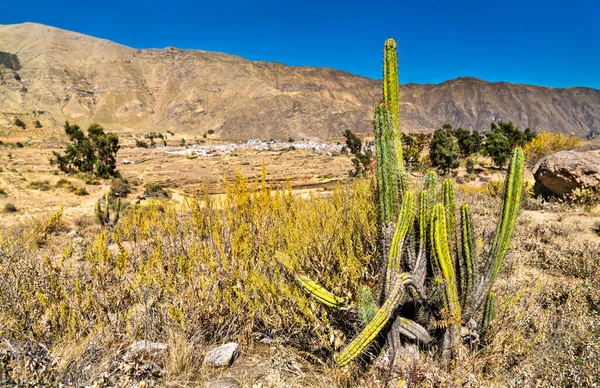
55,75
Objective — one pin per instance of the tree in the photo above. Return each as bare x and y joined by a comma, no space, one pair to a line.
468,142
19,123
515,137
361,160
95,153
497,146
443,150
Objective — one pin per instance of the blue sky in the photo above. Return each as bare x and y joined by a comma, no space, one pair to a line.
551,43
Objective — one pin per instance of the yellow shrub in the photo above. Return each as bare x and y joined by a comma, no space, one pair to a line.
211,269
546,143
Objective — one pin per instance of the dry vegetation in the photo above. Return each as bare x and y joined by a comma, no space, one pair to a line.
209,270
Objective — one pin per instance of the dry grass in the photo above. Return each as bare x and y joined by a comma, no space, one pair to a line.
210,272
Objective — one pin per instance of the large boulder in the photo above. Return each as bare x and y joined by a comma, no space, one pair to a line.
564,171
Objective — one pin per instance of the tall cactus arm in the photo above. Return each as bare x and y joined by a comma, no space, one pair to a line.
420,269
511,198
412,330
489,313
386,163
406,219
441,254
390,78
319,292
364,338
98,213
468,257
449,198
117,211
431,185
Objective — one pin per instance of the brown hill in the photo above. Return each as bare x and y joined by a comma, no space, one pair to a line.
55,75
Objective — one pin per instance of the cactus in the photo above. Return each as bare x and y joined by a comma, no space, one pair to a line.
423,246
103,217
489,313
366,306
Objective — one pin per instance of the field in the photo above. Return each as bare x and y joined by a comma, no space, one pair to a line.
215,263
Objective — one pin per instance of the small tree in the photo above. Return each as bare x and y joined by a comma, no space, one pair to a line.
38,125
361,160
497,147
444,152
19,123
95,153
515,137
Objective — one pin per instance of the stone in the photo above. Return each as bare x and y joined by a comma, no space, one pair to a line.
226,382
565,171
145,347
73,233
224,355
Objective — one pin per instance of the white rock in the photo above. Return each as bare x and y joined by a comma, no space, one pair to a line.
224,355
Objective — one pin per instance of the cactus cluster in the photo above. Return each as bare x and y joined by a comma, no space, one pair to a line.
103,216
429,257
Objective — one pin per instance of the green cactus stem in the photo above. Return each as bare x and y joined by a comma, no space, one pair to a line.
319,292
489,313
443,260
366,305
364,338
468,257
390,79
386,167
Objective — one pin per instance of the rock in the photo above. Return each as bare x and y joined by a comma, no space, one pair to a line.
224,355
73,233
564,171
226,382
147,347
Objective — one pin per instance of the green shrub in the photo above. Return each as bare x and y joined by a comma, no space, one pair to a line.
40,185
19,123
80,192
19,144
10,208
156,191
38,124
470,165
119,188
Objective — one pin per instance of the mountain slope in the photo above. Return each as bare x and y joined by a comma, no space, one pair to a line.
55,75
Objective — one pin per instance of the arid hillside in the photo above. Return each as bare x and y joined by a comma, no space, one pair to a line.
52,75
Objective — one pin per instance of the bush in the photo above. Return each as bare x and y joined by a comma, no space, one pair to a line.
19,123
19,144
547,143
119,188
80,192
157,191
211,131
470,165
444,152
2,191
141,144
38,124
10,208
40,185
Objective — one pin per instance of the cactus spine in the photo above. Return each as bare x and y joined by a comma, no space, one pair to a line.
447,245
